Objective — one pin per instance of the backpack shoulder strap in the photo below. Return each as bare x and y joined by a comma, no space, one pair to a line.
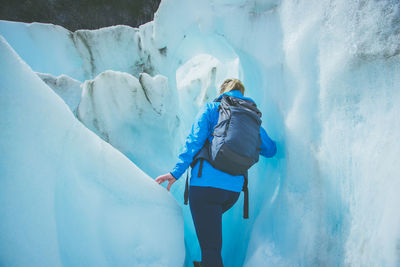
186,194
221,98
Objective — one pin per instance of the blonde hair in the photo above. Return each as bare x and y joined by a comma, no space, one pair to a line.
231,85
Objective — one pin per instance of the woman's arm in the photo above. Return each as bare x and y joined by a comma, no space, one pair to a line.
268,147
201,129
196,139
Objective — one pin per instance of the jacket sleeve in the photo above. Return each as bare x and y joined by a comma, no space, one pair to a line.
268,146
198,135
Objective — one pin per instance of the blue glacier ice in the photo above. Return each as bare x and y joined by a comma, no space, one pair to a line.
67,197
326,75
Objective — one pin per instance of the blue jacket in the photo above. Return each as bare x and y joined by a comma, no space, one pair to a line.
202,128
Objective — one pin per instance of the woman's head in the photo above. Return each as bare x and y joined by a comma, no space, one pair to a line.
231,85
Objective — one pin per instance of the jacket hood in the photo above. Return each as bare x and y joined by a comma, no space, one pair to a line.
235,93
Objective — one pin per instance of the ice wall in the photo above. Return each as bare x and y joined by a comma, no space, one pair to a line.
84,54
359,86
73,61
67,198
325,74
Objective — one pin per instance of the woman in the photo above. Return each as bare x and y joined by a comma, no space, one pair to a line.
215,191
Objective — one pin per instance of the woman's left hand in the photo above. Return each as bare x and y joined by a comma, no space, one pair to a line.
166,177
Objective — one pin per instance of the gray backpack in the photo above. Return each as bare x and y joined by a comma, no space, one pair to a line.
236,141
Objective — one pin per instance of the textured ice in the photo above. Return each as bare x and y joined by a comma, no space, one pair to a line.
134,115
326,76
114,48
198,81
67,88
84,54
67,198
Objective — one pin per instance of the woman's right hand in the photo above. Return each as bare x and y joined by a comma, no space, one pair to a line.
166,177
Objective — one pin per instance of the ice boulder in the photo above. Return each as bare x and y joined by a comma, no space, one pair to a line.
67,88
137,116
119,48
67,198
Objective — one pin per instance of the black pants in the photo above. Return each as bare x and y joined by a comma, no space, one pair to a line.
207,205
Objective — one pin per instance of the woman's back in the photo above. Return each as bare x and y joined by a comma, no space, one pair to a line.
202,129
